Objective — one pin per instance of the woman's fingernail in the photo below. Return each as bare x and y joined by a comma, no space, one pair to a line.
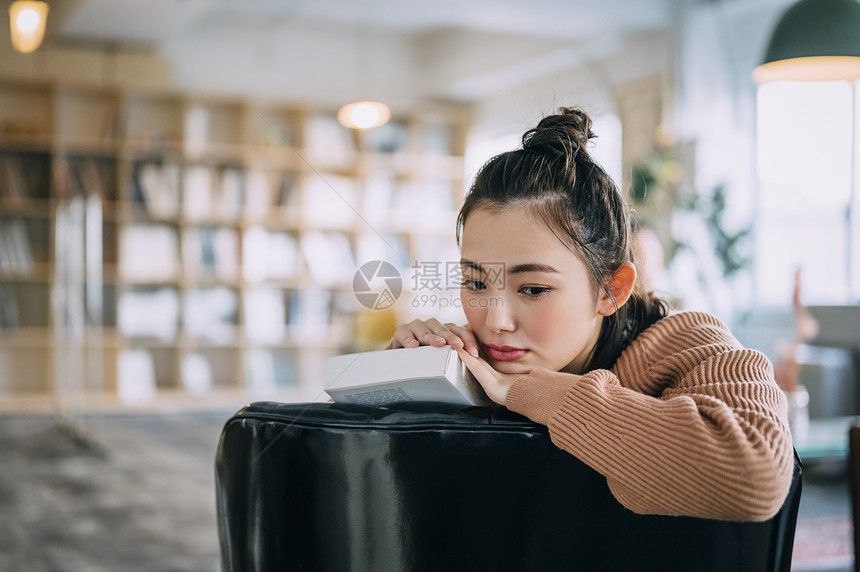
438,339
473,352
458,341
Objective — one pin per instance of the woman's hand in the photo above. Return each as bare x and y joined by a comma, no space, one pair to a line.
495,383
433,333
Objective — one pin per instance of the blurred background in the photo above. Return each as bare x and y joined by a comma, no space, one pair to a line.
187,224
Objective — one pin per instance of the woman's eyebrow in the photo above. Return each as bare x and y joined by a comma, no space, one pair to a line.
518,269
532,267
470,264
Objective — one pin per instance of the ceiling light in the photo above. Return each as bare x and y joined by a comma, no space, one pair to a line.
364,114
815,40
27,20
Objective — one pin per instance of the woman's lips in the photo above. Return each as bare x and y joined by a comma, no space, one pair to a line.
505,353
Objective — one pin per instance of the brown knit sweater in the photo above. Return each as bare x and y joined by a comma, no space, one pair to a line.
687,422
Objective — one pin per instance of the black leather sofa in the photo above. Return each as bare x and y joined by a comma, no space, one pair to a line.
332,487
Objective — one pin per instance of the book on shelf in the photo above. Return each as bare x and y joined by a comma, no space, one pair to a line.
197,192
37,175
286,196
16,255
91,179
196,132
265,315
329,201
437,201
425,373
393,137
377,199
329,257
229,199
309,314
269,255
258,193
329,144
148,253
15,185
135,381
388,247
8,308
147,314
156,185
266,190
211,252
196,374
210,314
226,248
212,192
404,205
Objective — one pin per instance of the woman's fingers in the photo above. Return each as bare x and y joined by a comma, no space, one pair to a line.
418,332
402,338
495,384
429,332
463,338
433,333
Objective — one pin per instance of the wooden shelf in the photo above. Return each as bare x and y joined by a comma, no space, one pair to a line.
227,192
26,337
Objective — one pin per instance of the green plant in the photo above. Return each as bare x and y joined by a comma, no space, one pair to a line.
657,194
730,248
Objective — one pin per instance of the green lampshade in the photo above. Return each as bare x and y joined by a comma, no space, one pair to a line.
815,40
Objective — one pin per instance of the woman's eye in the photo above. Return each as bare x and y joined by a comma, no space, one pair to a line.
534,291
473,285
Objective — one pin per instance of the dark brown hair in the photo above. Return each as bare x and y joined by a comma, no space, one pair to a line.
554,176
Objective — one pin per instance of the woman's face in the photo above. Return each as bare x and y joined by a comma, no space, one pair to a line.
526,296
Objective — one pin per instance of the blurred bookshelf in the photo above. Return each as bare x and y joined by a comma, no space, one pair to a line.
161,248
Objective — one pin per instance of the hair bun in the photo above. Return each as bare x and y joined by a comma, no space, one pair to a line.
566,133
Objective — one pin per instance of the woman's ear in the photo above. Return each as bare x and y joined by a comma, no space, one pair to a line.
621,286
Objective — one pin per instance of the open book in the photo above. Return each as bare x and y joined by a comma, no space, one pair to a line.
425,373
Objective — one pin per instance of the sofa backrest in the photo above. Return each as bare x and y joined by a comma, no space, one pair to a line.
334,487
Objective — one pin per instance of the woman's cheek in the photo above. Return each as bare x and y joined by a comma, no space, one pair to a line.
472,310
543,318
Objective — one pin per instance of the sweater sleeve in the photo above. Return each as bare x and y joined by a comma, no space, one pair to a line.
688,422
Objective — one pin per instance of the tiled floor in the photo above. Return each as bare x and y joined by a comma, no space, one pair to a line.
144,498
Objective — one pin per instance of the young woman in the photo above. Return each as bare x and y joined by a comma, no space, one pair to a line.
671,409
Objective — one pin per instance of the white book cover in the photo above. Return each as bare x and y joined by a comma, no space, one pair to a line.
135,379
148,253
425,373
258,194
198,199
160,187
329,257
265,315
329,201
149,314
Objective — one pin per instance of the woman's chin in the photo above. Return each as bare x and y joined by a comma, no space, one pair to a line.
514,367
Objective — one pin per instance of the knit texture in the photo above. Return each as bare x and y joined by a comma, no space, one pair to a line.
687,422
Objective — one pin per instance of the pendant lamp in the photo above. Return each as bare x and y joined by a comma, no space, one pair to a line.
815,40
27,22
364,114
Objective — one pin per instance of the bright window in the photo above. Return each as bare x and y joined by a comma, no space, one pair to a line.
804,137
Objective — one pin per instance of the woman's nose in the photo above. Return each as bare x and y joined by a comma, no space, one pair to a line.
499,316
